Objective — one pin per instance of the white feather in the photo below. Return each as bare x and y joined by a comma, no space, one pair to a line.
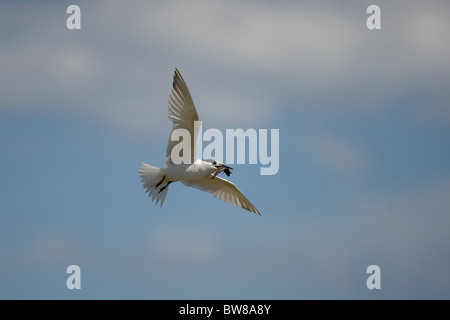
198,173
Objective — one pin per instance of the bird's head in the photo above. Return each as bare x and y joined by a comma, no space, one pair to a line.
219,167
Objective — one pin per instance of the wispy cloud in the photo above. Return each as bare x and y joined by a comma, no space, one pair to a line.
336,154
240,56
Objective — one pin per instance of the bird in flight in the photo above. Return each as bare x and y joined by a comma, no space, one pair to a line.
200,174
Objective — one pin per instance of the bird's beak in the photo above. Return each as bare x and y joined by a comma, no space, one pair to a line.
223,168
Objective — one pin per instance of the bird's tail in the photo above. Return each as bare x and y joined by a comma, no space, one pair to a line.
154,182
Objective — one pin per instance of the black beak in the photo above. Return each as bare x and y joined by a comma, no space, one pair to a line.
225,169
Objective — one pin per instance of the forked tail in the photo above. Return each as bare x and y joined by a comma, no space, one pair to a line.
155,182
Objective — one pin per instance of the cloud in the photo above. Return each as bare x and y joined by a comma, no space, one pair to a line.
187,245
236,56
336,154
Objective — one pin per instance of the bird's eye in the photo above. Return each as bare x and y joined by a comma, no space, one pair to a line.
214,163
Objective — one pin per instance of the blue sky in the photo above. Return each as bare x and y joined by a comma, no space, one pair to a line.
364,150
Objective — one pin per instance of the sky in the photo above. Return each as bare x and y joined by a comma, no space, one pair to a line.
364,148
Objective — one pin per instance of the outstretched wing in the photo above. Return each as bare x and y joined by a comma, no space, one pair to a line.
183,114
224,190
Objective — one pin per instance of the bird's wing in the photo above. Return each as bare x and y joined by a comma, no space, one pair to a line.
183,114
224,190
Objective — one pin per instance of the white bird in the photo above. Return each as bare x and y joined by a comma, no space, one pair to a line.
198,174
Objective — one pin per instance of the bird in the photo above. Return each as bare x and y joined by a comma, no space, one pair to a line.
200,174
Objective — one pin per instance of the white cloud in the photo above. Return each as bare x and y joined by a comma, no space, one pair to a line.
336,154
185,245
53,246
238,56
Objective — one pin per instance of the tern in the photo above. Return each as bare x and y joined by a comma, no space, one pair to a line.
200,174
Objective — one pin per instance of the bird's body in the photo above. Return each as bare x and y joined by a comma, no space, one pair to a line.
184,172
198,173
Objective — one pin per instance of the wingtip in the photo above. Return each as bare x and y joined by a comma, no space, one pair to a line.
252,209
